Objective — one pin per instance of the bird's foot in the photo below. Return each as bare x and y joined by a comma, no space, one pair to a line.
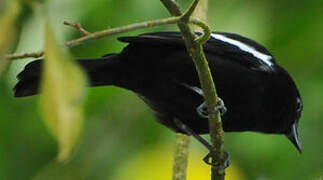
207,159
204,113
223,164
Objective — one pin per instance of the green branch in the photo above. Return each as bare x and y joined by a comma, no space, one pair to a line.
113,31
195,49
87,36
100,34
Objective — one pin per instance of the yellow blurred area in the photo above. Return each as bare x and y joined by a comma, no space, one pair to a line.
157,164
7,31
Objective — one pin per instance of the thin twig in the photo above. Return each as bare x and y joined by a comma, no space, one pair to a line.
190,11
113,31
78,27
208,87
37,54
106,33
102,34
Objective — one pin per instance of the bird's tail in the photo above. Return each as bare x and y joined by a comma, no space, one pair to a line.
100,71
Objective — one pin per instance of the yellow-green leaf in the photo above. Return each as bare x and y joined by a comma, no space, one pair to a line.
8,20
62,92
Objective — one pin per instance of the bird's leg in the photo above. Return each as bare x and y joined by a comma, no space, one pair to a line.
204,113
207,158
189,131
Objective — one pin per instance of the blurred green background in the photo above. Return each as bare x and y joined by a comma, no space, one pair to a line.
122,140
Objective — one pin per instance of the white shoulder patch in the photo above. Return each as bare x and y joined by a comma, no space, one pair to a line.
244,47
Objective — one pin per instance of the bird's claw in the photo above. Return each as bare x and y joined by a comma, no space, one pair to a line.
204,113
223,165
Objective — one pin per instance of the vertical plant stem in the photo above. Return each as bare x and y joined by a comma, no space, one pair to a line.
195,49
216,130
181,157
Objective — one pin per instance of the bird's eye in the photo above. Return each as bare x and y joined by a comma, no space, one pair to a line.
299,105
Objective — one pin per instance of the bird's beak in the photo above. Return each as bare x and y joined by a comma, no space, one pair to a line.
294,137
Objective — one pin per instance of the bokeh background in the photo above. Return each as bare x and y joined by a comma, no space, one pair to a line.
121,139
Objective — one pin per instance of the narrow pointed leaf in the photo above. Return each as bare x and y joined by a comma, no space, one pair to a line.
8,30
62,92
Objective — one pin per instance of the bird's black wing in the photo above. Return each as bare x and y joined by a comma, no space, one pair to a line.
241,77
238,48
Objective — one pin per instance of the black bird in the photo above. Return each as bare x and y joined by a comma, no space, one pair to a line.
259,94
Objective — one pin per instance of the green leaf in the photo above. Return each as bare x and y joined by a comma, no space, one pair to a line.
62,92
7,29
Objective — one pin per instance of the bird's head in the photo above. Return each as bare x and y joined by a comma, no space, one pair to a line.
290,109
